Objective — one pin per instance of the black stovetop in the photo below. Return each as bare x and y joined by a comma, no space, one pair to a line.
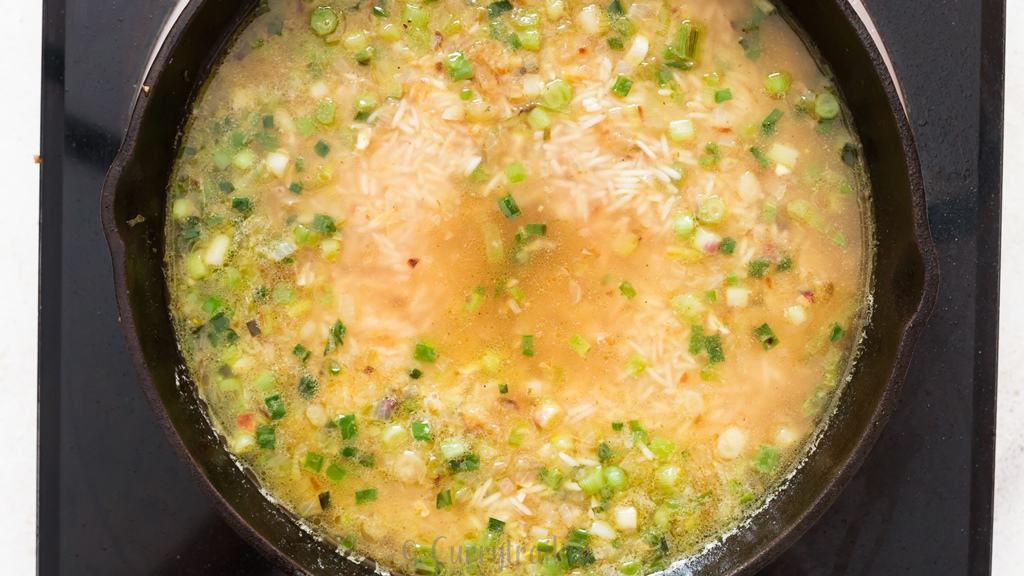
115,499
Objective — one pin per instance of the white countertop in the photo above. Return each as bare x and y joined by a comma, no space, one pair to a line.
20,54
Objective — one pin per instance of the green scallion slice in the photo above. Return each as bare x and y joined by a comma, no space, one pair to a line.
771,121
323,21
424,352
458,66
766,336
366,495
275,407
622,86
444,499
509,208
347,426
421,431
526,345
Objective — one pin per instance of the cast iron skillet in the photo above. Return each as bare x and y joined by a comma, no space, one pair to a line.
903,287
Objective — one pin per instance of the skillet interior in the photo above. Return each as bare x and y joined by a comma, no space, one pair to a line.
905,276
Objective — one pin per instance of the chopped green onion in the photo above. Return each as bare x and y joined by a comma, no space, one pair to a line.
466,463
771,121
266,436
421,431
615,477
713,346
509,208
424,352
444,499
835,332
313,462
526,345
325,499
335,473
415,373
335,336
636,365
591,480
557,95
324,112
367,495
784,264
758,268
241,205
466,94
538,119
826,106
766,336
579,345
323,21
324,224
495,526
662,447
458,66
727,246
515,172
767,459
275,407
696,339
295,188
604,452
723,95
503,388
307,386
615,43
712,154
495,9
348,427
758,155
622,86
617,426
850,154
550,478
683,226
711,210
627,290
777,84
682,50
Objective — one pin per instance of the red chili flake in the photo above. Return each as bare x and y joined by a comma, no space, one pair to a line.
808,295
247,421
368,370
413,262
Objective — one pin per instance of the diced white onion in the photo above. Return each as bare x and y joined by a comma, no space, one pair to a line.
625,518
589,19
603,530
277,163
681,130
750,187
532,85
706,240
736,297
547,414
634,56
217,251
731,443
797,315
783,155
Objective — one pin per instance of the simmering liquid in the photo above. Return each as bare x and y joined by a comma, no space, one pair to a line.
529,287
